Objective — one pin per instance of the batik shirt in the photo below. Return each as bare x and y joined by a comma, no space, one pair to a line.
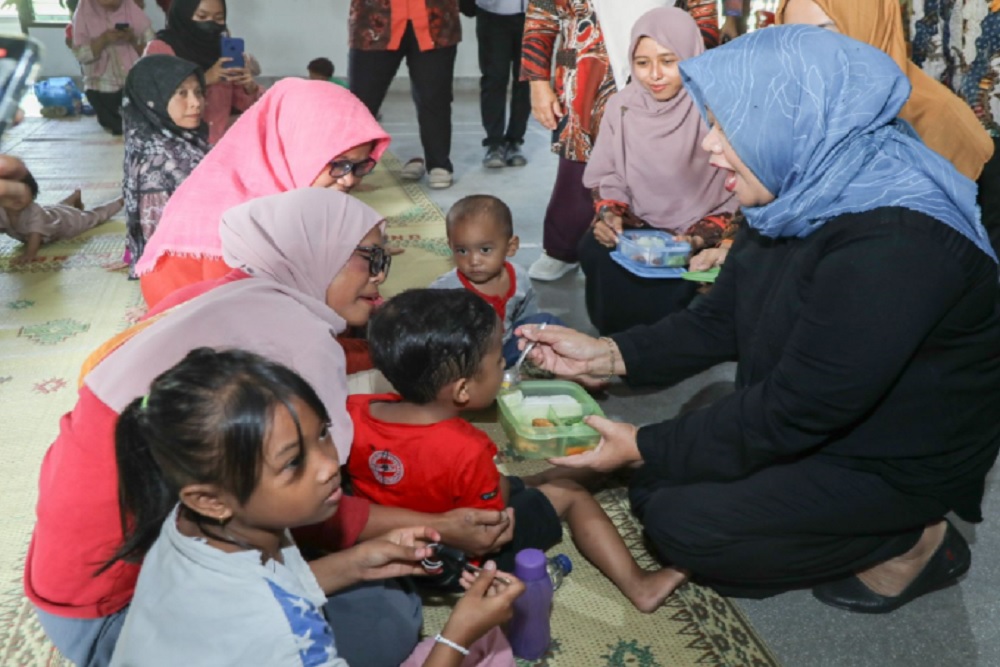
958,43
378,25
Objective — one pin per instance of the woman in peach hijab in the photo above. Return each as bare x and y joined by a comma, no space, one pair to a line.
945,123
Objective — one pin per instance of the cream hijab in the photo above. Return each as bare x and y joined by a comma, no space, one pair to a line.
293,244
945,123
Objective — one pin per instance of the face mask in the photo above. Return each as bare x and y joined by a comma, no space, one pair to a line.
209,27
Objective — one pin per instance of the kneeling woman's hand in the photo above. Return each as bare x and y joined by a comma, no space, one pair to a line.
618,447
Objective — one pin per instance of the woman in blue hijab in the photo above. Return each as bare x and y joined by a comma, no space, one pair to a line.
861,304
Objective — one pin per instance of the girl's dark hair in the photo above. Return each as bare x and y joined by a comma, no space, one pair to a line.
204,421
424,339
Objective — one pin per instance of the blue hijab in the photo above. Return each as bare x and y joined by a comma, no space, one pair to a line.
813,114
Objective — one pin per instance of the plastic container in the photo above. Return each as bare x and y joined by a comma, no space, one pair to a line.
653,248
558,567
529,630
537,430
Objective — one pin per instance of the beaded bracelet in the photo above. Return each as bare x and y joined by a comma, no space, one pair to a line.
611,359
447,642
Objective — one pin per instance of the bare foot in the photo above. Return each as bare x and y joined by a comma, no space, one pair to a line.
893,576
651,589
75,200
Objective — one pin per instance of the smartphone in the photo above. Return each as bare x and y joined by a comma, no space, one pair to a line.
232,47
121,26
20,60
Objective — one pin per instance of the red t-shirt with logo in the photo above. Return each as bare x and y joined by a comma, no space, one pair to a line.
429,468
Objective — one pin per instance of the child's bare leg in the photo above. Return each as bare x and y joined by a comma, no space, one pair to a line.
588,479
75,200
601,543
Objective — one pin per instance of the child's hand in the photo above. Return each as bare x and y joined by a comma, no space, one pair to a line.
486,604
476,531
396,554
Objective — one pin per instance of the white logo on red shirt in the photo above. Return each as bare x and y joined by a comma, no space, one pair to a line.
386,467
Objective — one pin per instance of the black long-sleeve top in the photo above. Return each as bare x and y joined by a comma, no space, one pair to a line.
874,342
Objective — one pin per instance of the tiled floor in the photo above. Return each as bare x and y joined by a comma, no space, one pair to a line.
957,626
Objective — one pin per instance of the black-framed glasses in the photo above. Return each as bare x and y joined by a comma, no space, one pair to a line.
379,259
339,168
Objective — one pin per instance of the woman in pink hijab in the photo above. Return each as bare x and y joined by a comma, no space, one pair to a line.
108,38
300,134
316,260
649,171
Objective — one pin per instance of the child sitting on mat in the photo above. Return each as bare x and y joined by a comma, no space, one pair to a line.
481,236
36,225
441,350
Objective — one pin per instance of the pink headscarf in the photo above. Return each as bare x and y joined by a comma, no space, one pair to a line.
648,153
281,143
294,244
90,20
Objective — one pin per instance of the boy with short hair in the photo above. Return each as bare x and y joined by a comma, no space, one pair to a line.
481,236
441,350
322,69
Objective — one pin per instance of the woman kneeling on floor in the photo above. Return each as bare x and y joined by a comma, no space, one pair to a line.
861,306
648,169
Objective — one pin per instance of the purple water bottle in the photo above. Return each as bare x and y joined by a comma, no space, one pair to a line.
529,631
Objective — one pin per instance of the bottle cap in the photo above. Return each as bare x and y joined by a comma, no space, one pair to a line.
530,565
564,562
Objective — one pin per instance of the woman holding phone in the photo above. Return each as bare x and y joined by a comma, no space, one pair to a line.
194,32
108,38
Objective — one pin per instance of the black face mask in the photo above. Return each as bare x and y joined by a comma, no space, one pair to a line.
209,27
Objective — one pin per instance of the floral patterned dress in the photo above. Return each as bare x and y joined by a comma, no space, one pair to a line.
958,43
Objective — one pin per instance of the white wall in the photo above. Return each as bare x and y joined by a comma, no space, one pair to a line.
284,35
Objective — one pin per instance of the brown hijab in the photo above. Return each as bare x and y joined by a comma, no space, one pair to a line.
945,123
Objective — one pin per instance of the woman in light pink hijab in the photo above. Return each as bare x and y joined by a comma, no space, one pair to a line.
108,38
300,134
648,170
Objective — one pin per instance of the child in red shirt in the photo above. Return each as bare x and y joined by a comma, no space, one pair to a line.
442,351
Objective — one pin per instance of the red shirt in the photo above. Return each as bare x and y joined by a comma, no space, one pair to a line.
429,468
78,526
499,303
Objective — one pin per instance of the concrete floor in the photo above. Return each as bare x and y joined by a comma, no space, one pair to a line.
952,627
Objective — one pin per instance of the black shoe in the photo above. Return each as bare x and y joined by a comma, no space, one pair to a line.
494,158
512,155
949,562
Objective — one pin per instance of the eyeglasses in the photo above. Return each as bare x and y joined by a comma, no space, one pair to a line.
339,168
379,259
